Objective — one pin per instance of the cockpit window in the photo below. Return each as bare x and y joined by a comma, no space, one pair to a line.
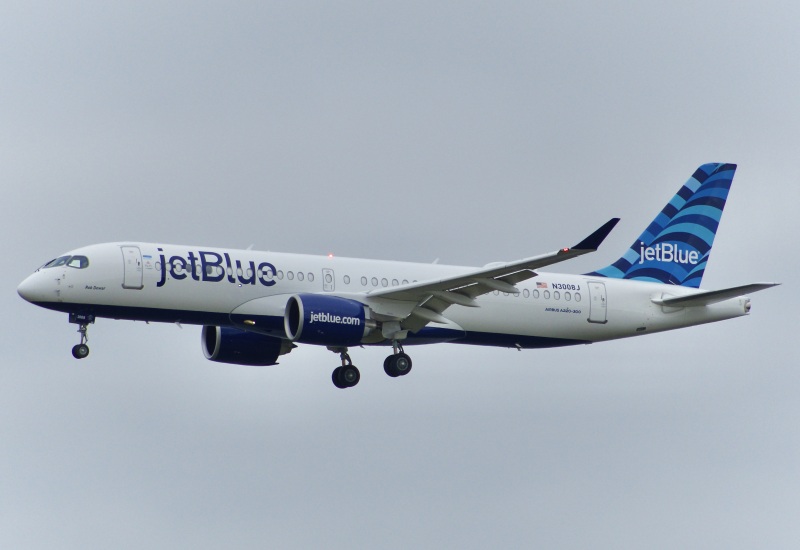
57,262
78,262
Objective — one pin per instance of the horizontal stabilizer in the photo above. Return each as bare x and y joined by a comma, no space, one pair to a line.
712,296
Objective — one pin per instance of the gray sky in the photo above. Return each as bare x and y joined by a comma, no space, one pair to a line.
469,132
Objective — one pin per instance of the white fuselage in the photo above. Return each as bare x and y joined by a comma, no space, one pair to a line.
207,286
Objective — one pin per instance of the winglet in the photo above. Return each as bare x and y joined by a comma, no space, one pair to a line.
592,242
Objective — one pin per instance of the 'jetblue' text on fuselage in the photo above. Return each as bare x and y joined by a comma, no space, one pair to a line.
213,267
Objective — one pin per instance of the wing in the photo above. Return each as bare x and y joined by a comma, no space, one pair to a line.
433,297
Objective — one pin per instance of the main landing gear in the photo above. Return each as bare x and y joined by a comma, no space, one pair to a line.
397,364
348,375
80,351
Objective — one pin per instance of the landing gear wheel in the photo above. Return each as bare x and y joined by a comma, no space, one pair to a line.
350,375
80,351
336,378
397,365
345,376
388,367
83,320
402,363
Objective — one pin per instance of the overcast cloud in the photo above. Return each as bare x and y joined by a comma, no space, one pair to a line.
466,131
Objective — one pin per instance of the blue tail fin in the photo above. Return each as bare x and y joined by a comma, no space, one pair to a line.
675,248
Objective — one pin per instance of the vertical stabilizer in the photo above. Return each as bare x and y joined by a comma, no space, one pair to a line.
675,247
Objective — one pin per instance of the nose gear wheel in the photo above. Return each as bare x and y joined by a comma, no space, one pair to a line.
80,351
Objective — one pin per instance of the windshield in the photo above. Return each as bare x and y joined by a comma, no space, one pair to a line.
57,262
78,262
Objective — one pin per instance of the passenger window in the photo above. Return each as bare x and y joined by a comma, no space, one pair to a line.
557,295
374,281
577,296
536,294
394,282
384,282
300,276
363,281
290,275
347,279
526,293
547,294
311,277
567,296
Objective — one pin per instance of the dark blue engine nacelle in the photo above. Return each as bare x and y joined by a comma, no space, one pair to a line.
230,345
326,320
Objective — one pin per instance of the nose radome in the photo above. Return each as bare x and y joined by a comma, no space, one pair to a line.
24,289
31,289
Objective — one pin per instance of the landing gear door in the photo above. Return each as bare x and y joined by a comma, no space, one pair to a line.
132,259
597,303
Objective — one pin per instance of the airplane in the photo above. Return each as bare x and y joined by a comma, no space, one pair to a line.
255,307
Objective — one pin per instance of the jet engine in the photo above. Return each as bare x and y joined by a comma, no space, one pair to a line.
230,345
327,320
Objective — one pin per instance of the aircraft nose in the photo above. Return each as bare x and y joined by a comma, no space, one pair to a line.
31,289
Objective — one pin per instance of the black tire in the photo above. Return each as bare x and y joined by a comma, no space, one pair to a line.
349,376
80,351
402,364
389,367
336,377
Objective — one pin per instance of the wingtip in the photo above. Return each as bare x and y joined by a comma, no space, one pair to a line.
593,241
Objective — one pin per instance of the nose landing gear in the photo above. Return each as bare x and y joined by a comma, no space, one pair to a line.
80,351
